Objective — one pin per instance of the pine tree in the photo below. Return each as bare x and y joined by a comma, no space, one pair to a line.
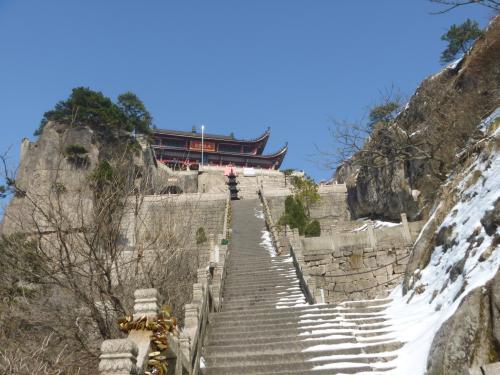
460,39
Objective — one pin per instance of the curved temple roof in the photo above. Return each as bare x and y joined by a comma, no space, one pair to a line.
215,137
218,155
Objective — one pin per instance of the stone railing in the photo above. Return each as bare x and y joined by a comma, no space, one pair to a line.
271,225
292,242
345,264
227,219
289,240
128,356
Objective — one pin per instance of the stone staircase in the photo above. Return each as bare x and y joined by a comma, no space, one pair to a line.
266,326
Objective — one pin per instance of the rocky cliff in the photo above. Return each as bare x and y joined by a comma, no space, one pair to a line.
439,120
447,310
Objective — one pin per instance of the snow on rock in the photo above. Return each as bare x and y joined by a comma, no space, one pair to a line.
489,120
453,65
376,224
452,272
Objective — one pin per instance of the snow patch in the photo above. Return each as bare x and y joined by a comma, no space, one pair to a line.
416,319
377,224
267,243
453,65
259,214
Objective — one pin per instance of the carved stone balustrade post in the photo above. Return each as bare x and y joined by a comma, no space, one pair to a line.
212,248
185,344
203,276
146,303
405,229
191,320
198,289
371,235
118,357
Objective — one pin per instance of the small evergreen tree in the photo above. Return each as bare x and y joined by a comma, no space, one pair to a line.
87,107
460,39
137,116
383,113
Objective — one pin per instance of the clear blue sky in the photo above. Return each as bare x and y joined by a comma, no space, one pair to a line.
236,66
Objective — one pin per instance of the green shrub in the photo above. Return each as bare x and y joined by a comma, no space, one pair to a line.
75,149
313,229
76,155
104,175
201,237
295,214
59,188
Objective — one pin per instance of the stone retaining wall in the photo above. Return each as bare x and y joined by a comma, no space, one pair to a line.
179,217
359,265
331,209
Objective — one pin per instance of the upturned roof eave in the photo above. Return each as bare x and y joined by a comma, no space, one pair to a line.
262,139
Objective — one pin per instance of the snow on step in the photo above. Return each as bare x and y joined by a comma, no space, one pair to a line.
266,326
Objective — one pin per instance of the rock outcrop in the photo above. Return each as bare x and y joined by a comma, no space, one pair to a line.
439,119
46,170
471,337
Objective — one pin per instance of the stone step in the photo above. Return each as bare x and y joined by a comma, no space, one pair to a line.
283,286
263,268
233,286
366,303
347,365
261,273
264,281
284,354
302,331
278,346
257,260
282,304
263,312
220,338
262,277
264,298
290,313
264,291
272,310
278,316
243,326
245,265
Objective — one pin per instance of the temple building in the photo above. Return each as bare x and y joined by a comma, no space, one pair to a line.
183,150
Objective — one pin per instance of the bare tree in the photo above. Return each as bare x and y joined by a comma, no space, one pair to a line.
452,4
380,141
83,249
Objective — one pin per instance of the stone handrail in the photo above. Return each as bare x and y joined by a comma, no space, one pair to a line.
226,219
294,246
273,229
290,242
